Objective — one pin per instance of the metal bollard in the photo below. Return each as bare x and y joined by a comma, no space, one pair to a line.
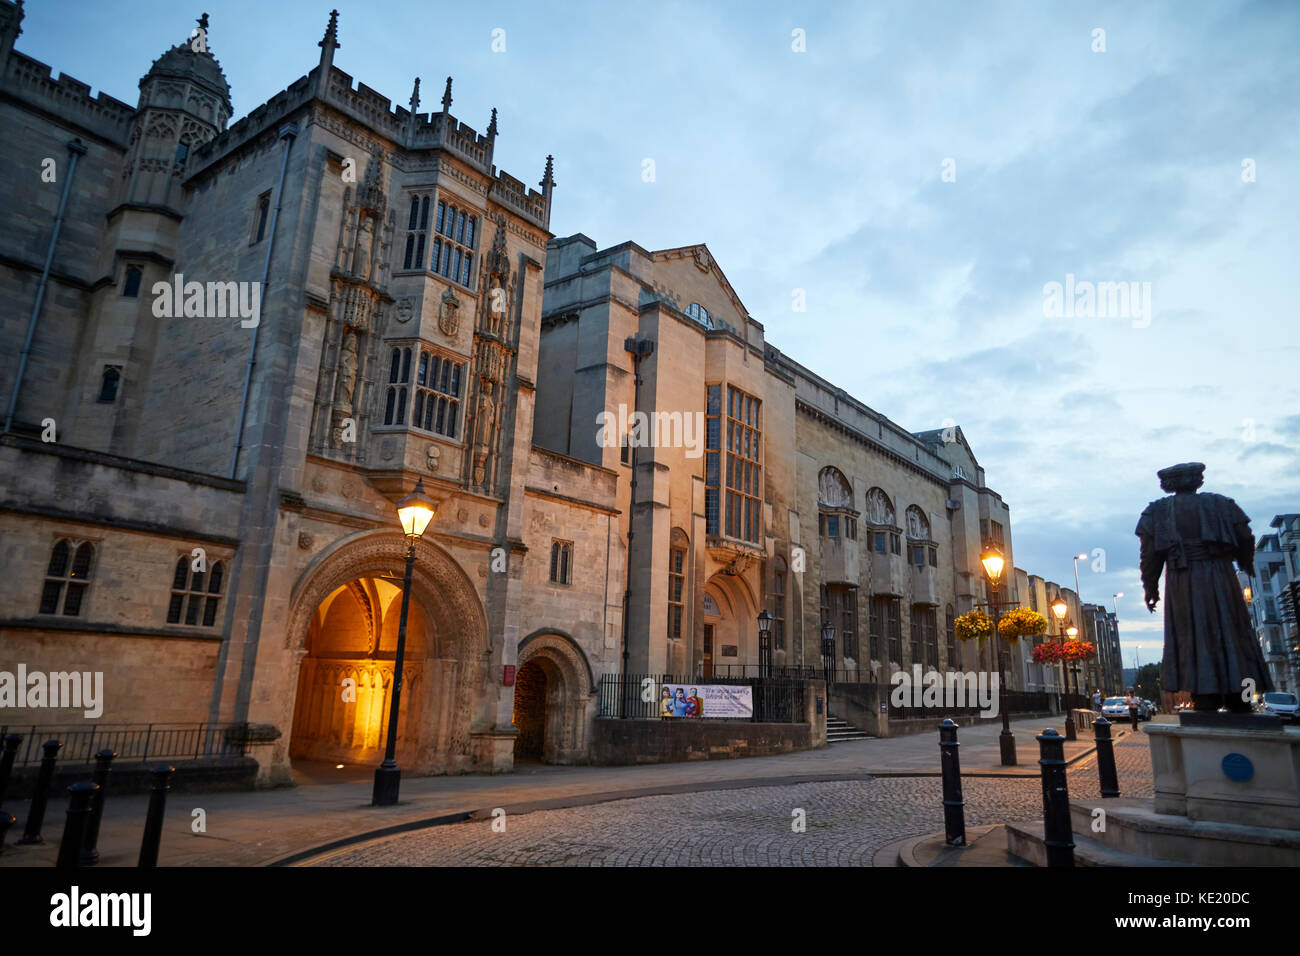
81,798
1105,758
1058,835
6,821
36,815
90,849
7,761
153,824
1070,732
954,813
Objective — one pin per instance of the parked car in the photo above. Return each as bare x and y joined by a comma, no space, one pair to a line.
1151,710
1114,708
1279,704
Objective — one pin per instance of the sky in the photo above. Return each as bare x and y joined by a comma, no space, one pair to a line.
915,176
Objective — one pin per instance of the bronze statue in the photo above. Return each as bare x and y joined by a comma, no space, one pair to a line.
1210,645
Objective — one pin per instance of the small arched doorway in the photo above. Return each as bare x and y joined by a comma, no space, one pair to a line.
530,713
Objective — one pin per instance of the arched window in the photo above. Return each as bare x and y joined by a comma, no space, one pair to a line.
67,577
195,593
836,517
131,287
399,374
676,582
778,605
108,385
700,314
263,210
920,550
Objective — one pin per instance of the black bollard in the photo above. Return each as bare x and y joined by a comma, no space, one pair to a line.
954,813
1105,758
81,799
1058,835
6,821
7,761
1070,732
153,824
36,815
90,850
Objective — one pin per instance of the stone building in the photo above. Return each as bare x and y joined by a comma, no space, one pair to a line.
251,338
762,487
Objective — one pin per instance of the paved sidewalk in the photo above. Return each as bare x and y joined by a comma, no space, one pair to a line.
261,827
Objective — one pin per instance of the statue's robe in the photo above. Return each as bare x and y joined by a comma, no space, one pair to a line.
1210,645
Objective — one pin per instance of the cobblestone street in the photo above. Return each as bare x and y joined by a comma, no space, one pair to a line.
846,822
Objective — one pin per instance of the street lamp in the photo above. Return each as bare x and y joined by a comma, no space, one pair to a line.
993,565
1072,632
828,651
764,644
1059,609
415,511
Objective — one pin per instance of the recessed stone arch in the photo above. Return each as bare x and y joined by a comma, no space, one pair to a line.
570,694
446,695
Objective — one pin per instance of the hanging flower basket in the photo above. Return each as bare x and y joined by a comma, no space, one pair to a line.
973,626
1022,622
1078,650
1047,653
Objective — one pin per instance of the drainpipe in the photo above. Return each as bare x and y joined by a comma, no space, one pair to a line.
287,133
75,150
639,348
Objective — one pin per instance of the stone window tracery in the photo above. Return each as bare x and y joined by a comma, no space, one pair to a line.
67,577
195,593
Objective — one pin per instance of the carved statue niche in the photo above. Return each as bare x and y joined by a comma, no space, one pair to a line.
345,382
365,243
484,420
496,302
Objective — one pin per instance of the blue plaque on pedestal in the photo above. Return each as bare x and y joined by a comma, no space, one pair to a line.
1238,767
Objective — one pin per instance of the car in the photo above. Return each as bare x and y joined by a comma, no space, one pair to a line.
1279,703
1151,709
1114,708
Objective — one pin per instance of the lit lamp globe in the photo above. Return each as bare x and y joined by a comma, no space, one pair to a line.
764,622
993,563
1060,608
1246,593
1071,632
415,511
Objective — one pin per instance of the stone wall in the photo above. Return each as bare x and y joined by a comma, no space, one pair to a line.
668,741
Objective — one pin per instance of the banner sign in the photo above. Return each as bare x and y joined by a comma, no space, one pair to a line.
706,700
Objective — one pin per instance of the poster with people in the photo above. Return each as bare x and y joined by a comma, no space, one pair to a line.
706,700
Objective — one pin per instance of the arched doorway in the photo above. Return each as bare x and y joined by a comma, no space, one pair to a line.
343,625
530,712
730,639
555,699
345,681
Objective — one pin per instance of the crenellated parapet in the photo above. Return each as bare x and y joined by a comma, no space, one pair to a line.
31,82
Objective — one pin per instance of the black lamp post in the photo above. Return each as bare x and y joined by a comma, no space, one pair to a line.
828,651
1071,632
993,563
415,511
1059,609
764,644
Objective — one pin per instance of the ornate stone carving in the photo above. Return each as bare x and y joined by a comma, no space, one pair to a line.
432,454
306,541
880,510
833,489
449,313
703,261
918,526
404,309
388,448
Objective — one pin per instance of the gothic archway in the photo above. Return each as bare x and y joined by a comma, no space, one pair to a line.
343,624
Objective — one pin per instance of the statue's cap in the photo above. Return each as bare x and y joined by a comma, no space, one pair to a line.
1188,474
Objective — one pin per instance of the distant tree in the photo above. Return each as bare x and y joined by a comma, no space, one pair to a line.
1147,685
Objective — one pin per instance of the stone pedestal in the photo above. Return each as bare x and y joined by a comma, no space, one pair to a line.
1228,768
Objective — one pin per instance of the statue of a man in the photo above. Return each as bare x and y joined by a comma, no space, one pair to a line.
1210,645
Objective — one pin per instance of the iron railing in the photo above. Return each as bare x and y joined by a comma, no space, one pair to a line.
140,742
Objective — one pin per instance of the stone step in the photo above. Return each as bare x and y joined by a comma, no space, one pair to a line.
1025,841
1133,827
